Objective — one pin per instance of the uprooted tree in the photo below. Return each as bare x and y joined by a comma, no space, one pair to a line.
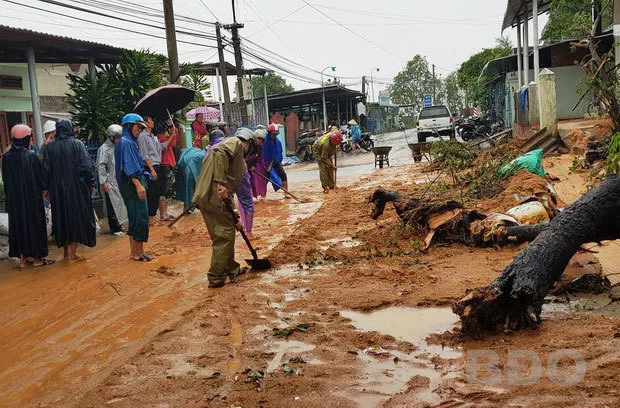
514,300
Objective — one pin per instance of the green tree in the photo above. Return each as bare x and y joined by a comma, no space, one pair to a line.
573,19
118,87
274,82
198,82
94,104
411,83
453,94
468,74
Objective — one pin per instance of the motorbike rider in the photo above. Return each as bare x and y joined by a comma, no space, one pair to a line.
356,135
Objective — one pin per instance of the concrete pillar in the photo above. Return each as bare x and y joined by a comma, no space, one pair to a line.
526,52
548,100
535,39
533,106
92,70
519,54
34,95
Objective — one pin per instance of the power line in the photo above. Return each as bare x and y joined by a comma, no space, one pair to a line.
355,33
103,24
212,13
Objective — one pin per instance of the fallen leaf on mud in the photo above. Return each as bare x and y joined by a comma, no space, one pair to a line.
287,331
352,352
253,374
297,360
376,351
288,370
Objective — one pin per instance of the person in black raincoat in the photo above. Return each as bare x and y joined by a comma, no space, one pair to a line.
23,186
69,176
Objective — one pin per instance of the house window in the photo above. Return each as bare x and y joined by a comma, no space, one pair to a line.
11,82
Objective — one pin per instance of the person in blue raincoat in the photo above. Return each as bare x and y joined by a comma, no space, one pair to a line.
356,135
131,178
272,154
188,170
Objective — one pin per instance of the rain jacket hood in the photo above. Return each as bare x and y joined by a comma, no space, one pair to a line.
128,160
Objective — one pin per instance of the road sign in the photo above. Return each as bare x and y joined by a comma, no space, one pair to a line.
384,98
428,99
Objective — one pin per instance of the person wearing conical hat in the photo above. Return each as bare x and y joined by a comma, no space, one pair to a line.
356,135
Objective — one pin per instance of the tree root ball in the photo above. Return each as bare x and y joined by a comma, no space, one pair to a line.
514,300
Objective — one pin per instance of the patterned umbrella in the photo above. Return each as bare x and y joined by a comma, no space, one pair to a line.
208,112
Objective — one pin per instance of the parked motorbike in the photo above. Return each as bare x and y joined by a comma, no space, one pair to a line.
346,145
366,141
304,145
479,127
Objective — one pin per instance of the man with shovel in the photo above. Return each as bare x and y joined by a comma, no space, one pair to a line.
221,174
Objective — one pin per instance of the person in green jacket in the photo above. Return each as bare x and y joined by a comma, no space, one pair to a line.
219,178
324,149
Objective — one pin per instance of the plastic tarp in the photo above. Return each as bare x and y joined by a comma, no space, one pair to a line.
531,161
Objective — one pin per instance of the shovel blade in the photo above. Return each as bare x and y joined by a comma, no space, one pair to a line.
259,264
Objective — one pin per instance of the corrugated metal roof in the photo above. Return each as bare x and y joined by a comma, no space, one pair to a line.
516,8
51,48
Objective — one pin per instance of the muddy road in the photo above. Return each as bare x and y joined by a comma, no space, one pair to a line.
354,315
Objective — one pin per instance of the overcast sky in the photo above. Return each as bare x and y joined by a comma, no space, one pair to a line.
365,34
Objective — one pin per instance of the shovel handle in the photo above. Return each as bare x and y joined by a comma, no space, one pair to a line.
271,181
232,212
183,214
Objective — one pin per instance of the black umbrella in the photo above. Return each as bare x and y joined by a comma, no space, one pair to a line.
161,102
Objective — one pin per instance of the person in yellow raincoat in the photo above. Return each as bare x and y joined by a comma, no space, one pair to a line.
219,178
324,149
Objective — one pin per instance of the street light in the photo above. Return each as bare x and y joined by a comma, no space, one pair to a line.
323,86
372,84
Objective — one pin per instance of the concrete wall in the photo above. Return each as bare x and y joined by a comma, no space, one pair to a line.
568,80
12,100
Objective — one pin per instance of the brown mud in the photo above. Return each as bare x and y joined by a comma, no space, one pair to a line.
113,332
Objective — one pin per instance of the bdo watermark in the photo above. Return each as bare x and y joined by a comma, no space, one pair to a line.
564,367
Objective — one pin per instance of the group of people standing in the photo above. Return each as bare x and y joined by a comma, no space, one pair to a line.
63,176
137,171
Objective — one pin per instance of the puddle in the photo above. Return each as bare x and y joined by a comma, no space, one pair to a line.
285,350
585,303
409,324
301,211
383,377
345,242
292,272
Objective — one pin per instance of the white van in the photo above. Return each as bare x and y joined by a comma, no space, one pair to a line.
433,121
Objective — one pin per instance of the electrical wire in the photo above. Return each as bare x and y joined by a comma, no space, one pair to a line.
103,24
354,32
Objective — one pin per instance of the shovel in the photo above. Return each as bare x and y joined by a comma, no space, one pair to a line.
183,214
282,188
255,263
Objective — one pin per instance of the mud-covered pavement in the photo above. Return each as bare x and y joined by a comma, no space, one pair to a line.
361,316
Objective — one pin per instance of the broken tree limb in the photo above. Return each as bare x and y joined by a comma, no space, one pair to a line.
522,233
514,300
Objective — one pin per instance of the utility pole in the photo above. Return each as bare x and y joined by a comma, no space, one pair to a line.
234,29
171,42
364,87
434,84
220,51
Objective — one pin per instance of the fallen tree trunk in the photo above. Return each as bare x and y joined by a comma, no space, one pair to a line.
514,300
